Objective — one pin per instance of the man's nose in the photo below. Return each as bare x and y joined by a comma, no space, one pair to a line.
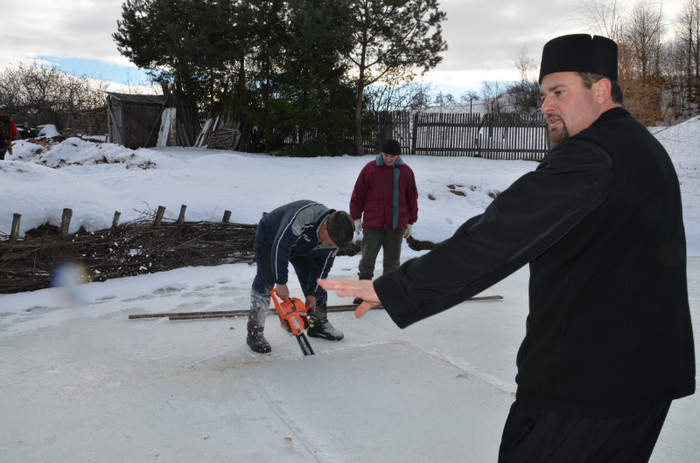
545,105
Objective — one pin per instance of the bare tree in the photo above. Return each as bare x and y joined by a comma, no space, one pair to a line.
643,79
410,96
606,18
526,65
525,94
674,98
491,91
687,32
638,32
470,96
43,94
444,99
642,37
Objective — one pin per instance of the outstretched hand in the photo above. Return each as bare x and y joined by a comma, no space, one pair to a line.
364,289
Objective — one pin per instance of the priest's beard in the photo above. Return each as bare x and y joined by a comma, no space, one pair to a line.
558,136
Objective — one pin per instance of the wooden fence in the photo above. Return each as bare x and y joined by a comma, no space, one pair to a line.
148,245
491,136
143,246
385,125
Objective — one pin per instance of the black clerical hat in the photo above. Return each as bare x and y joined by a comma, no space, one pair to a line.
580,53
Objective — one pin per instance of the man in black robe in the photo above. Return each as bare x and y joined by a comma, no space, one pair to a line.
609,341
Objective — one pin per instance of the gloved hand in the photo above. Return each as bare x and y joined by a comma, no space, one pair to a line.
358,226
407,232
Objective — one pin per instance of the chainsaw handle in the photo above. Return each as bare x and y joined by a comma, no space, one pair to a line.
293,317
282,291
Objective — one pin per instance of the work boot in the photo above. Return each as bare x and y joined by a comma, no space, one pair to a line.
257,342
321,328
255,339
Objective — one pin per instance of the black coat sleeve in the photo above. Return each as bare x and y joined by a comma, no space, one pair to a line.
519,225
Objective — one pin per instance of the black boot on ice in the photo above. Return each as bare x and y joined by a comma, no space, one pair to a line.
321,328
256,340
258,343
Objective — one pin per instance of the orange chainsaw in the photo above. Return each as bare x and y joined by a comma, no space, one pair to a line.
294,319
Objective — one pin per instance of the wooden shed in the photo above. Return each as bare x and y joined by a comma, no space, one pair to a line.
134,120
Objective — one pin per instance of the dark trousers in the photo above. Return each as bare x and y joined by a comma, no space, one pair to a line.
264,282
535,436
372,241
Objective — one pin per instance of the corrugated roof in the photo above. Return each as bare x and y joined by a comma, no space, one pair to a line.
133,98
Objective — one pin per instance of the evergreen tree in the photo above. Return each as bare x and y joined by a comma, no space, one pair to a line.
314,73
263,107
283,65
195,44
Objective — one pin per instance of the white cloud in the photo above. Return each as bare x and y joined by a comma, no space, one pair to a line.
79,29
483,36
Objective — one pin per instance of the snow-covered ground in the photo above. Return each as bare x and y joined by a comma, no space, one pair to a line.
83,382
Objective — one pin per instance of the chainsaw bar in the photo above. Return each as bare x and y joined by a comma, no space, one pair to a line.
294,319
304,344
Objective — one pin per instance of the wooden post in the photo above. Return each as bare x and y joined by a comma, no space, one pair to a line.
14,234
65,220
115,220
227,216
159,216
181,218
415,134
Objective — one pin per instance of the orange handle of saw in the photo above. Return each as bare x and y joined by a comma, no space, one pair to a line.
292,314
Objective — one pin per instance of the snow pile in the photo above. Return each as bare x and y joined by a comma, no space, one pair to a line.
76,151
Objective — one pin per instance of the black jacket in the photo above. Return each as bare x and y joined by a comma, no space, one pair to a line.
600,223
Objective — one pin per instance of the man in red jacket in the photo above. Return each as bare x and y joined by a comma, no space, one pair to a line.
386,198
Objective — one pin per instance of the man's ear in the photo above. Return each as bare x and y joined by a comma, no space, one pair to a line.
602,90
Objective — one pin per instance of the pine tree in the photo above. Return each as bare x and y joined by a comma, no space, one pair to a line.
314,78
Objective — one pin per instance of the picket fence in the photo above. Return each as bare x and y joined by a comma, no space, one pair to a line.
492,136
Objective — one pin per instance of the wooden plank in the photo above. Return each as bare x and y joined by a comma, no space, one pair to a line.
244,312
224,313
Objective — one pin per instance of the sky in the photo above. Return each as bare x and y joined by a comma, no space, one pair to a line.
483,38
83,382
